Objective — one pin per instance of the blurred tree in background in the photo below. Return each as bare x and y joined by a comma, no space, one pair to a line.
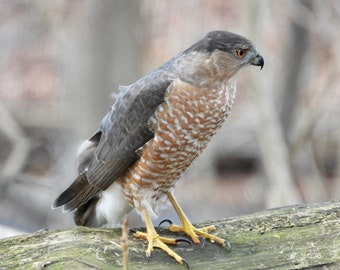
61,60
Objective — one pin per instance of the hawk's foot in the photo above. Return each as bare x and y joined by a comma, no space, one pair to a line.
165,240
195,233
198,235
156,241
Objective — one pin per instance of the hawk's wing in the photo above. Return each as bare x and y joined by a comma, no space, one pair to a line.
112,150
126,128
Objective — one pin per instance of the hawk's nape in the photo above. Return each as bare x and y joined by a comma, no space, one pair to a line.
152,133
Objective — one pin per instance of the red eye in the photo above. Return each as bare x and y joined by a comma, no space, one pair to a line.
240,53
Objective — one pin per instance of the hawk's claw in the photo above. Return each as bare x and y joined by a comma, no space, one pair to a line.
147,255
178,240
202,241
185,263
228,245
133,230
165,221
218,227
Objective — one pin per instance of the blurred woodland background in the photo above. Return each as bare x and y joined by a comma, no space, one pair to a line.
61,60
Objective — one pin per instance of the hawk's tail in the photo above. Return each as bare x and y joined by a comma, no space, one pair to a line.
85,215
76,195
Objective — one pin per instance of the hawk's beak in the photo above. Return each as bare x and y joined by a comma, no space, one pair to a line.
258,61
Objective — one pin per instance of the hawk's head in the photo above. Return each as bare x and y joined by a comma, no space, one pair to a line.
220,51
242,49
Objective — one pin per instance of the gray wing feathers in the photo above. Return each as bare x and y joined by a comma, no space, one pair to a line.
126,128
113,148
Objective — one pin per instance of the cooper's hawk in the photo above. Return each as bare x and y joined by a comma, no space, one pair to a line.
155,129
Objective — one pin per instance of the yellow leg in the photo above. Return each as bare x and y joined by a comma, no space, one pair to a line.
155,241
187,228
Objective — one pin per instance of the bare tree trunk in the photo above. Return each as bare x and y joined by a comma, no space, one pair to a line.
100,49
270,133
296,51
103,51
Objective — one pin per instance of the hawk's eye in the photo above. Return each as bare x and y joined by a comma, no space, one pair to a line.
240,53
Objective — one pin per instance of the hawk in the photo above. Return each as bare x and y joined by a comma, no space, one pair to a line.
155,129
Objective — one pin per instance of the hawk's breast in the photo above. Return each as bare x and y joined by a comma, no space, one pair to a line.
182,125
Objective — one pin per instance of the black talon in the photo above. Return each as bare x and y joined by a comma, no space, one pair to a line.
202,241
218,227
228,245
133,230
147,256
185,263
178,240
165,221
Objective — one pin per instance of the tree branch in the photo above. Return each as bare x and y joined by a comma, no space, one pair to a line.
20,146
297,237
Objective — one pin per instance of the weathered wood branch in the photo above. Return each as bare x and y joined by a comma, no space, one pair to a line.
297,237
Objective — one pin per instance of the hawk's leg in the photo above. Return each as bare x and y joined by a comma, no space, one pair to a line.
187,228
156,241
